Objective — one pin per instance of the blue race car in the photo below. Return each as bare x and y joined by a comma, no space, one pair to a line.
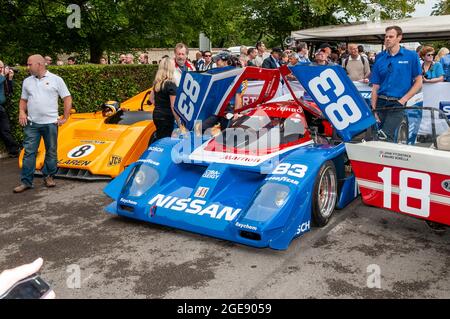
277,169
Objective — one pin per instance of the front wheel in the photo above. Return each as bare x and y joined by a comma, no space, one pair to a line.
324,195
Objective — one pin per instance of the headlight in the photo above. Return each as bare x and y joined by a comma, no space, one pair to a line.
268,201
139,178
280,198
142,178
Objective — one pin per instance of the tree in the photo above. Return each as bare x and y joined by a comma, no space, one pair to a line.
274,20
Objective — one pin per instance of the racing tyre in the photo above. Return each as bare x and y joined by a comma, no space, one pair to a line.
324,195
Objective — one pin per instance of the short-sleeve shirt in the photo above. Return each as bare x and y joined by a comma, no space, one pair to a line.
42,97
435,71
162,98
445,62
395,74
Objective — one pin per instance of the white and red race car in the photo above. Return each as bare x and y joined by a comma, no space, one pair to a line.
408,171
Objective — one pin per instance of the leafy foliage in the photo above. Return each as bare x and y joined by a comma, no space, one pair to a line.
90,86
31,26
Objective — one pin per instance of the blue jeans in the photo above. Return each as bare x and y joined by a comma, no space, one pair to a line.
390,120
33,133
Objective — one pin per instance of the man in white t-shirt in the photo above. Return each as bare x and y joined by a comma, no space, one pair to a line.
38,114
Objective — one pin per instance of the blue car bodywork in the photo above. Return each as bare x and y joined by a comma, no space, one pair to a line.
264,203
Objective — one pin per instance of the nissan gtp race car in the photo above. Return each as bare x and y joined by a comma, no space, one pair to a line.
99,145
277,170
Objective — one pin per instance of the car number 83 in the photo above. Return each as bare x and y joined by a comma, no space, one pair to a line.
344,111
189,96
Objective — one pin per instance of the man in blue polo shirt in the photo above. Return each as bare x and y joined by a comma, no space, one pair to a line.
396,78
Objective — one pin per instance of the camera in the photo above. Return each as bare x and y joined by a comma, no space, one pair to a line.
15,70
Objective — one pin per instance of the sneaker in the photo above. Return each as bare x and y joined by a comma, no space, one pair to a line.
49,182
21,188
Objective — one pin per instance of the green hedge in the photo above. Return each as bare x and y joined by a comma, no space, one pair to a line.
90,86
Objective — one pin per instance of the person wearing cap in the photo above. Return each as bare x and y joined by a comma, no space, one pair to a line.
273,61
326,47
321,58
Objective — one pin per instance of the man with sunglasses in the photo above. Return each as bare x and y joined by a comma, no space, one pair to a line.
208,63
396,78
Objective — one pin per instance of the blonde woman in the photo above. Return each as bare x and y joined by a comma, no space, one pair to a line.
442,52
444,58
163,97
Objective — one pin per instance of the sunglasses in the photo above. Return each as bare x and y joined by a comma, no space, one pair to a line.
207,56
431,54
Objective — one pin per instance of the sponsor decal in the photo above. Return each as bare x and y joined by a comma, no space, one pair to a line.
242,158
246,226
282,179
201,192
395,156
81,151
446,185
73,162
195,207
303,228
156,149
114,160
366,95
93,142
148,161
127,201
211,174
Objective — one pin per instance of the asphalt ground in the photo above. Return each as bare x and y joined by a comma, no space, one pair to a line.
90,254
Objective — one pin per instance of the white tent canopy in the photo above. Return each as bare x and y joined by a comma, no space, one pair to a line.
414,30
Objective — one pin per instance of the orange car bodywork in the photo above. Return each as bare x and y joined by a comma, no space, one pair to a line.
91,148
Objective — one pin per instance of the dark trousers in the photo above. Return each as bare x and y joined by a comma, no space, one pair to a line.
33,133
389,119
213,120
5,133
164,124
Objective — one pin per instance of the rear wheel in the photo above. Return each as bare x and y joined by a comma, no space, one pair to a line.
324,195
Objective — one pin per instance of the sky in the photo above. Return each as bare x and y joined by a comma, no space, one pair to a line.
425,9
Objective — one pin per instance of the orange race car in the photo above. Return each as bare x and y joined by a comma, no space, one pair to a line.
99,145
